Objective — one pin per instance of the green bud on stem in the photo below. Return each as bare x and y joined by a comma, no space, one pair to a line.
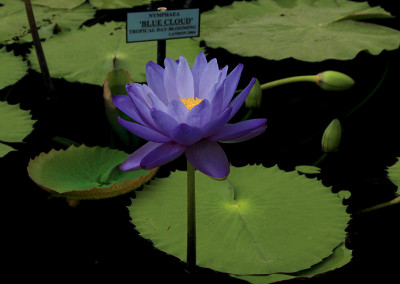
253,100
331,137
334,81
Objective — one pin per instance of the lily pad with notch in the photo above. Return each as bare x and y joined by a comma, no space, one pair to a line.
257,221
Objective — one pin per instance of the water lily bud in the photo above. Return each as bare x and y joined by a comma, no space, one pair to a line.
334,81
253,100
331,137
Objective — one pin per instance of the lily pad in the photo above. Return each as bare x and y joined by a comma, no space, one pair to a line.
394,174
5,149
12,68
14,26
258,221
306,169
15,125
303,29
117,4
340,257
59,4
85,173
89,54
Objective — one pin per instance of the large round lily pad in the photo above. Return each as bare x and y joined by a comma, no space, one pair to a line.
258,221
340,257
85,173
12,68
88,54
302,29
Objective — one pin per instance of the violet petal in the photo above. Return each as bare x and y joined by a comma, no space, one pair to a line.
208,79
170,79
164,122
209,158
144,131
239,100
217,123
237,130
155,77
197,70
155,101
161,155
132,163
230,84
125,104
199,114
178,110
186,135
184,79
248,136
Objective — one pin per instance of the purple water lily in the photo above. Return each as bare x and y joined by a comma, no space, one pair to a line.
183,110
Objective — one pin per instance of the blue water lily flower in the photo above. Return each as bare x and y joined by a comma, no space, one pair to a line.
183,110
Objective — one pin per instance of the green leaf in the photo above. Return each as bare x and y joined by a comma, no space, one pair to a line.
394,174
12,68
340,257
85,173
14,26
102,48
5,149
117,4
15,123
114,84
59,4
303,29
305,169
258,221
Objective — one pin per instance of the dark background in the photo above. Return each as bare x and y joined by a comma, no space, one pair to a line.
45,239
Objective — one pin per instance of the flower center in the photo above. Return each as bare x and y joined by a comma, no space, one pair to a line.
191,102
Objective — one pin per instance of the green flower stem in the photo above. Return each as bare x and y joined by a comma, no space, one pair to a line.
38,47
295,79
289,80
191,220
323,156
381,205
366,99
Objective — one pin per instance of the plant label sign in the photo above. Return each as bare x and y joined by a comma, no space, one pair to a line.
161,25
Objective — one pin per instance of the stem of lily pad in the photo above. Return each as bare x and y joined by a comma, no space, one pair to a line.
38,47
191,220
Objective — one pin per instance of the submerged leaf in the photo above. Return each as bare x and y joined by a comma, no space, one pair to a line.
276,222
305,30
85,173
102,48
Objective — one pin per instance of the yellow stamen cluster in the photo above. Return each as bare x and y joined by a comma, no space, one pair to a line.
191,102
